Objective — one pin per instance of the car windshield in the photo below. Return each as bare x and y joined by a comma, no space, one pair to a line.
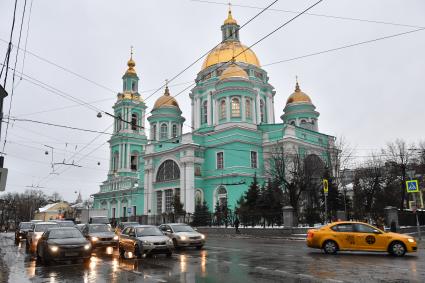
99,228
182,228
66,224
65,233
148,231
102,220
26,225
44,227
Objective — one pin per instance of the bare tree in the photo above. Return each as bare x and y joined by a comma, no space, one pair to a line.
400,156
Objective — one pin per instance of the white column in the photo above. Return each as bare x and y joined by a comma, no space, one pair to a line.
190,188
209,109
146,193
198,112
119,156
163,201
228,108
214,114
258,108
170,134
242,105
158,129
182,181
150,185
193,112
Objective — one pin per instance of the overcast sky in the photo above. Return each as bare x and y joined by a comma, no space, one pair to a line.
370,94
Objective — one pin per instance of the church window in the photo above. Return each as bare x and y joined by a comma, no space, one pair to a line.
134,161
159,202
222,196
167,171
292,123
262,118
198,197
254,159
134,121
220,160
198,170
303,121
205,112
223,109
164,131
248,108
119,123
174,130
133,86
115,162
236,108
168,200
153,135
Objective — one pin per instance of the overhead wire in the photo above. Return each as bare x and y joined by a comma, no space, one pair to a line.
14,76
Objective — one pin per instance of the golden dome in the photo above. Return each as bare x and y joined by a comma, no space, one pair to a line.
298,96
230,19
165,100
233,71
131,64
225,51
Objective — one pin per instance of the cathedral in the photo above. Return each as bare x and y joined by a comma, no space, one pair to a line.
233,132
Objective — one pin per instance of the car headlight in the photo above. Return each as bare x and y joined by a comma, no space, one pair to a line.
202,237
94,239
115,237
410,240
54,248
146,243
87,246
183,238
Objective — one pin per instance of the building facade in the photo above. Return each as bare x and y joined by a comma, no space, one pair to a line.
234,132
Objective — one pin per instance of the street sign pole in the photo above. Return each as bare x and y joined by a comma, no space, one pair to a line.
325,191
412,186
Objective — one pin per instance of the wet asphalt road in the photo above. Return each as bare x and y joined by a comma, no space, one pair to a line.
224,259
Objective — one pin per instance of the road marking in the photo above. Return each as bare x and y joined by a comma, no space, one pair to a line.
243,264
261,267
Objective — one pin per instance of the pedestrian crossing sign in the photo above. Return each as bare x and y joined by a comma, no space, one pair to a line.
412,186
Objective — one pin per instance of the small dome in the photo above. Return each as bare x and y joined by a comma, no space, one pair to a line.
230,20
165,100
233,71
298,96
131,64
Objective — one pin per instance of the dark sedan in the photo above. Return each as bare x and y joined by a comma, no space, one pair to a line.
100,235
63,243
22,231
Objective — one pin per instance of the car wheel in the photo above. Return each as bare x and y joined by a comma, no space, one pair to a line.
121,251
397,248
27,247
137,252
199,247
176,245
330,247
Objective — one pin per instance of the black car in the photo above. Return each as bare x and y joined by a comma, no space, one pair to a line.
100,235
22,231
63,243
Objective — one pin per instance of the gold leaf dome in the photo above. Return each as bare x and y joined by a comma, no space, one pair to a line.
233,71
225,51
165,101
131,64
298,96
230,20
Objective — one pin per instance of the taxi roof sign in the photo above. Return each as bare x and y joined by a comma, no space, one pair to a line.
412,186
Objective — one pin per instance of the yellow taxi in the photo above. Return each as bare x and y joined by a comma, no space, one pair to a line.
359,236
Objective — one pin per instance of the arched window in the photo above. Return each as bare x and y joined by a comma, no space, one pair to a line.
115,160
174,130
292,123
134,161
303,121
134,119
164,131
248,108
205,112
223,109
153,134
236,107
167,171
262,118
198,197
119,122
222,196
133,86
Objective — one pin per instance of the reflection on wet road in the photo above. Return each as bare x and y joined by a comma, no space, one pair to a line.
222,260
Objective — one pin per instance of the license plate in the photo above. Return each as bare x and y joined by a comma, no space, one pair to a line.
71,254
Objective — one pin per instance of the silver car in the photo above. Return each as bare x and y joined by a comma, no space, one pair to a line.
34,235
183,235
144,240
